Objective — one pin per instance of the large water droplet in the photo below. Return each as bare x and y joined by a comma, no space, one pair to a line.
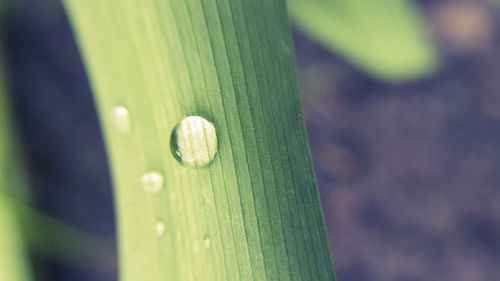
121,119
194,142
152,182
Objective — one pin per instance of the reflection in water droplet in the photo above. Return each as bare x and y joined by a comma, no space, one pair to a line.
194,142
206,242
121,119
160,228
152,182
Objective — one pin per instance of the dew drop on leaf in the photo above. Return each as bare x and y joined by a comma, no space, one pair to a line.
152,182
121,119
160,228
194,142
206,242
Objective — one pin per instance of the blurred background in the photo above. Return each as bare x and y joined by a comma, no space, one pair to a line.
408,169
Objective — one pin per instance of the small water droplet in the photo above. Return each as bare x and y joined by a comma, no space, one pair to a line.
121,119
194,142
206,198
152,182
206,242
285,47
160,228
196,247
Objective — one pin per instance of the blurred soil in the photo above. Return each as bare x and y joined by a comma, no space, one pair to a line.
409,174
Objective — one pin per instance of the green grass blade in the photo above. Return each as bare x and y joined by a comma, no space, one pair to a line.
12,252
384,38
51,238
254,213
13,255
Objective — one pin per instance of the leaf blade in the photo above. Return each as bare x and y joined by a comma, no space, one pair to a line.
257,202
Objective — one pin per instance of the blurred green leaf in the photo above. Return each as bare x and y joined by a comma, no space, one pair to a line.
49,237
13,258
385,38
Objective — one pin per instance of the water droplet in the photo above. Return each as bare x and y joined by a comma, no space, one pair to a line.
173,196
194,142
152,182
160,228
196,247
121,119
206,198
285,47
206,242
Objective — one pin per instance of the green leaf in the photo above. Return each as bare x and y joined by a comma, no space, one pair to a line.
13,257
385,38
49,237
251,214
